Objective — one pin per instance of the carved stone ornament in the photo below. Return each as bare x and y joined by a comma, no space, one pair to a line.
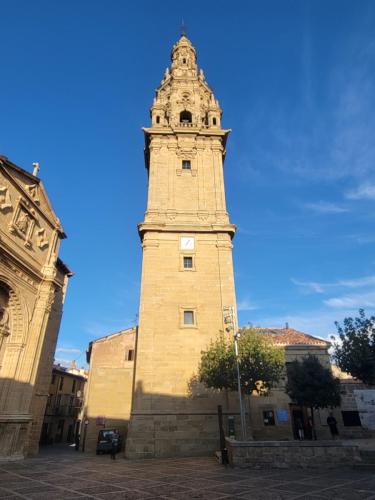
5,201
34,192
186,153
4,322
171,214
42,241
202,215
23,222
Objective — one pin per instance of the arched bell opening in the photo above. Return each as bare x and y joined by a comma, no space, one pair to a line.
186,117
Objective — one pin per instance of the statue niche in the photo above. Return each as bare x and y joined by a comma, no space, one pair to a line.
4,319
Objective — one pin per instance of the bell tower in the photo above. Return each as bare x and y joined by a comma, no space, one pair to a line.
187,269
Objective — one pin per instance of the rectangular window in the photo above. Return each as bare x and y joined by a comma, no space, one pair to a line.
188,317
188,262
73,386
186,164
268,417
129,356
351,418
61,383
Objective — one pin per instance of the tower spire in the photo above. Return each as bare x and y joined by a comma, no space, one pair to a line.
183,27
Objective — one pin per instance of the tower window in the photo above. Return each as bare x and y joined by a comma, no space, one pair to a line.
186,165
188,262
183,61
214,121
185,117
158,119
129,356
188,317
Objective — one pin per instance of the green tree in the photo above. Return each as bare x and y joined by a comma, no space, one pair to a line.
354,352
313,385
259,361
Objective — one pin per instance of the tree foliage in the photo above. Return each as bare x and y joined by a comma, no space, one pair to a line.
311,384
355,351
259,361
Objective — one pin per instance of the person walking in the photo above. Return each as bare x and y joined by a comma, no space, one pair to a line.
114,448
300,429
332,424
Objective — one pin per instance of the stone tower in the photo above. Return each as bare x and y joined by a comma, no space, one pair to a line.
187,271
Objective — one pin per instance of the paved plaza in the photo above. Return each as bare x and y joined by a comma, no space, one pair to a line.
74,475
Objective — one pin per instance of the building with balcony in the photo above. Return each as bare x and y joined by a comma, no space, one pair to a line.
62,416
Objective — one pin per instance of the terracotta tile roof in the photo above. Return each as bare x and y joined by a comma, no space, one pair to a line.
289,336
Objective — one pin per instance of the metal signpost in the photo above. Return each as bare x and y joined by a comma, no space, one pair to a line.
230,320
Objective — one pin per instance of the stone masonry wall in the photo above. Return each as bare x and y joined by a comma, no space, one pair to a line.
292,454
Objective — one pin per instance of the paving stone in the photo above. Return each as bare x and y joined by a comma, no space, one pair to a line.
83,477
256,494
298,487
98,488
126,494
202,494
166,490
346,494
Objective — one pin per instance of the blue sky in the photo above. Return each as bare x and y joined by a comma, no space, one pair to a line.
296,82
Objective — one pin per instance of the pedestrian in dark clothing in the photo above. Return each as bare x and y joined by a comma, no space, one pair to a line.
332,424
114,446
300,429
76,441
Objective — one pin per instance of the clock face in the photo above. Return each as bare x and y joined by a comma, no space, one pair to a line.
187,243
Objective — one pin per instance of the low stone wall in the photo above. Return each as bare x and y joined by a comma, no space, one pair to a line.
285,454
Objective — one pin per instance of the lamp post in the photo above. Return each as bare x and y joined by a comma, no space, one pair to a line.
230,320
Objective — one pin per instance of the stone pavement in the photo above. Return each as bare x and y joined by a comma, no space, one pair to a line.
75,475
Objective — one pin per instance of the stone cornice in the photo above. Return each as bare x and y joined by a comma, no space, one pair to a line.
206,132
144,227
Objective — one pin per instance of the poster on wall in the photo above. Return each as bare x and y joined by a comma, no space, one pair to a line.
282,415
365,400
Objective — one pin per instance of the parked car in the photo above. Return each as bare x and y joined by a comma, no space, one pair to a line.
105,437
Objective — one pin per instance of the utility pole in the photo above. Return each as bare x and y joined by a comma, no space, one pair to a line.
230,320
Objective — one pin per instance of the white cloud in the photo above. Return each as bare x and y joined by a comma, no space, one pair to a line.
362,192
246,305
317,287
322,140
310,285
68,350
358,282
325,207
352,301
317,322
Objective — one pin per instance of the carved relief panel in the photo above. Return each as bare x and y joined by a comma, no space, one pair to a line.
5,199
23,222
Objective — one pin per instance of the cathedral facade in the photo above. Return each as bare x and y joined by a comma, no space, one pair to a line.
187,269
33,283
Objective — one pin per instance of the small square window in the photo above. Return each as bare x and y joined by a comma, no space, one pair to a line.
268,417
186,165
188,262
188,317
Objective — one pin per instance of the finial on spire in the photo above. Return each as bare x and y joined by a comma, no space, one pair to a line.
36,169
183,27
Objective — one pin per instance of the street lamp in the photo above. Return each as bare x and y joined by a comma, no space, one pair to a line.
230,320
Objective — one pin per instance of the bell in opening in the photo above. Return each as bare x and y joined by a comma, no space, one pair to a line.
185,117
